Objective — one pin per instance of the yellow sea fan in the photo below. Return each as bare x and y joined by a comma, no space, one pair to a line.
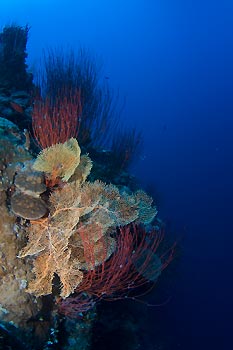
59,160
83,169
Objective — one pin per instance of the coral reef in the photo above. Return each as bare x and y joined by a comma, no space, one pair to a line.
16,305
81,217
66,236
74,227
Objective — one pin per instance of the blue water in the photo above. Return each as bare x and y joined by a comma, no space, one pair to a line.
172,61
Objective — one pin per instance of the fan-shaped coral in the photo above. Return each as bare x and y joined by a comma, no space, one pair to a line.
59,160
76,234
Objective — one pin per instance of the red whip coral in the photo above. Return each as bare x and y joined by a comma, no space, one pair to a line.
131,266
55,120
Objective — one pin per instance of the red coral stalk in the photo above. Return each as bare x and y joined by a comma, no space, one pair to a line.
57,119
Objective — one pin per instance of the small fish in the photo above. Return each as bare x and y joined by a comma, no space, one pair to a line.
17,107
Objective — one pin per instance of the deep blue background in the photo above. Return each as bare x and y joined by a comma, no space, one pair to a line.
173,61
